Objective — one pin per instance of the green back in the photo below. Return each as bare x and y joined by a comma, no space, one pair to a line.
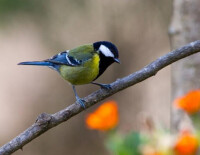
84,52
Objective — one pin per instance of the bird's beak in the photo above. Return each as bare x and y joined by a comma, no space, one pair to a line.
117,60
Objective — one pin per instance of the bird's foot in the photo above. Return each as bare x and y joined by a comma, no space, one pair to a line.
105,86
81,102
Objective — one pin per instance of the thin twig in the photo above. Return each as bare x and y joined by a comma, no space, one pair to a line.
45,121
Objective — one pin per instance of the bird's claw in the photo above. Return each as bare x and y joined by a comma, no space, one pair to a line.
106,86
81,102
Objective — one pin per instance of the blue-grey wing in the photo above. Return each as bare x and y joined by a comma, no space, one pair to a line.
64,59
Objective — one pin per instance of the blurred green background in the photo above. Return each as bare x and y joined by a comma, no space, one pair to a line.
36,30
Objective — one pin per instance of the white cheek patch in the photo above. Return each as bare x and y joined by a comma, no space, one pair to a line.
105,51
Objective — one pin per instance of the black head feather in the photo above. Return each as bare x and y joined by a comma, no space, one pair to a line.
109,45
105,61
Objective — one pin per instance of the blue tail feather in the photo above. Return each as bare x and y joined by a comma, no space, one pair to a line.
37,63
42,63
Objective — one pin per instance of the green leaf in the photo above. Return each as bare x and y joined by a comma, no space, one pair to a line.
124,144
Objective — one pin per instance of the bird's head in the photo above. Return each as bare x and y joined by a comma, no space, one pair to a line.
107,50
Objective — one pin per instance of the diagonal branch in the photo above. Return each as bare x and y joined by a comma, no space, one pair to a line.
45,121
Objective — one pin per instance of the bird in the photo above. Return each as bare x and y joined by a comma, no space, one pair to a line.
82,65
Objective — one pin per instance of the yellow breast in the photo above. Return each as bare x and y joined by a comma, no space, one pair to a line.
83,74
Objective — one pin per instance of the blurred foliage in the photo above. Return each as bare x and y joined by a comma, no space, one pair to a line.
9,8
155,140
124,144
78,3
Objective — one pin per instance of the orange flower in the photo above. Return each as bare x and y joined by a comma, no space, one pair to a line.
104,118
190,102
187,144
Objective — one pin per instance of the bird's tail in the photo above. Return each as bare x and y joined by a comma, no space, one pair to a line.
37,63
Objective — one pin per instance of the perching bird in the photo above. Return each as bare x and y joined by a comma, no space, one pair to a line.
82,65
